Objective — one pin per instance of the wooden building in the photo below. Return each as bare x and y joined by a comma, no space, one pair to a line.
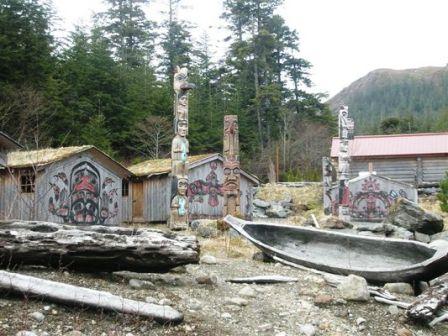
78,185
420,159
151,189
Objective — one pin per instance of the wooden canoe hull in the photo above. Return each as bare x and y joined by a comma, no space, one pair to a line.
379,260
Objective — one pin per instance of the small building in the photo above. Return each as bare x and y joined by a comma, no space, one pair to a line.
420,159
151,189
78,185
371,196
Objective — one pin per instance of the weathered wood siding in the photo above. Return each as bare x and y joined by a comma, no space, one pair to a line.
205,194
127,205
53,185
409,170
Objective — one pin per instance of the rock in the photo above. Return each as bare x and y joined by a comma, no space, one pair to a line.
354,288
372,227
259,213
393,310
209,260
441,235
141,284
398,232
236,301
322,300
150,299
247,291
421,237
360,320
194,304
265,327
179,270
205,228
25,333
37,316
399,288
422,286
261,204
282,333
226,316
412,217
307,330
277,211
333,222
261,256
207,279
74,333
404,332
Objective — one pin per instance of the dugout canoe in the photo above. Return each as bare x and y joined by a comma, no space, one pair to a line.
377,259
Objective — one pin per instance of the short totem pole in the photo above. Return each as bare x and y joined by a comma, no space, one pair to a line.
178,219
346,129
231,185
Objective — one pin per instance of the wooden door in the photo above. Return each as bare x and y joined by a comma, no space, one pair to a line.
137,201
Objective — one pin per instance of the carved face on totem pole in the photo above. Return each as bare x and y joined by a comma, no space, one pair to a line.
231,177
182,186
182,127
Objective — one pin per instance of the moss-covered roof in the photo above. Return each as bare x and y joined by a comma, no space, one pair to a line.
161,166
42,157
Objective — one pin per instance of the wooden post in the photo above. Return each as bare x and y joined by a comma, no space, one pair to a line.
327,179
231,150
178,219
370,167
346,127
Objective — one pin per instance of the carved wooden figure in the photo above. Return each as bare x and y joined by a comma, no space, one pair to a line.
178,219
231,185
346,130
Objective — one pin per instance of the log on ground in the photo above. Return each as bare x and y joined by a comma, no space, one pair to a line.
93,248
69,294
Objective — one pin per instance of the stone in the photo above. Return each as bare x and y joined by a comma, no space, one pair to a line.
194,304
226,316
282,333
261,204
307,330
360,320
205,228
372,227
247,291
277,211
399,288
412,217
26,333
179,270
209,260
393,310
265,327
354,288
74,333
37,316
207,279
259,213
421,237
261,256
165,302
333,222
422,286
322,300
404,332
141,284
441,235
236,301
394,231
150,299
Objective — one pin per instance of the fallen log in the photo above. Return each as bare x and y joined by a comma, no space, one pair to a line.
431,302
60,292
93,248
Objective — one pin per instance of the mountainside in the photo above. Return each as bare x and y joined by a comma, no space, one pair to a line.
421,93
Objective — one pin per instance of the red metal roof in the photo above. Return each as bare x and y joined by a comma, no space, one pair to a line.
395,145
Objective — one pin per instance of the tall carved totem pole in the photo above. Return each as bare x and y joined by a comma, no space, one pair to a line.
178,219
346,132
231,152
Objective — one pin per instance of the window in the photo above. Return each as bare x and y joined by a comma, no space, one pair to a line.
27,181
124,188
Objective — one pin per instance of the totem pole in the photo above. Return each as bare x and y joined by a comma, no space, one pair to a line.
231,185
327,175
346,131
178,219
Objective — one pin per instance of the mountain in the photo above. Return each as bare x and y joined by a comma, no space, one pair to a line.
420,94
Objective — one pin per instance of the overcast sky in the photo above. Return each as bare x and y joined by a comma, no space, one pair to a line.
343,39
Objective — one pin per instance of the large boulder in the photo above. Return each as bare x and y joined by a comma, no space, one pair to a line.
412,217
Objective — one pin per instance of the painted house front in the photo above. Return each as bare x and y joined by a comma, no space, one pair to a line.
151,189
419,159
76,185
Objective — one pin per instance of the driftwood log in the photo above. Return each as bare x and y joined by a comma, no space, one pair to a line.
60,292
431,302
93,248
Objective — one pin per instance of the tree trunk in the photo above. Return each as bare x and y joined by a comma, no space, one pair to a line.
60,292
93,248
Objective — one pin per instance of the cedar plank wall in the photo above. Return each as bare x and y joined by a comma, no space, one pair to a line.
157,194
403,169
34,206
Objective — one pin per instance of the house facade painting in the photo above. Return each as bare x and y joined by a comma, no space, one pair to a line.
75,185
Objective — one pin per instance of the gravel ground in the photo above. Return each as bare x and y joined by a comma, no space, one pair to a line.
276,309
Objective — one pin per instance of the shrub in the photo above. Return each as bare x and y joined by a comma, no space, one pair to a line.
443,194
